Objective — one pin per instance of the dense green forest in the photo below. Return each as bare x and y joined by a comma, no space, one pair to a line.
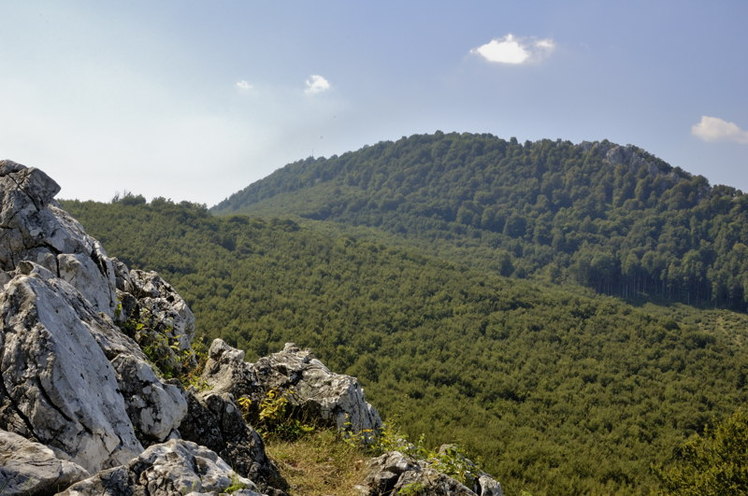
613,218
558,390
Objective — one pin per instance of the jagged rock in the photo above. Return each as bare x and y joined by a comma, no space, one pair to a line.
56,380
156,317
56,384
385,471
215,421
318,394
227,372
394,473
159,299
176,467
154,408
33,227
31,469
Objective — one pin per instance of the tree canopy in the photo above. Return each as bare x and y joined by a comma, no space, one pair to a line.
613,218
557,389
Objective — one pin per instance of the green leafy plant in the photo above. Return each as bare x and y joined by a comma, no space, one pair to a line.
413,489
274,415
236,485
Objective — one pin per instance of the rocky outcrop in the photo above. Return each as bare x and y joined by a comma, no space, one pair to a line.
85,347
155,408
34,228
56,383
169,469
395,473
311,388
31,469
75,383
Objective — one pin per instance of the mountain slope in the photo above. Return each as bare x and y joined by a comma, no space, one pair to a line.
560,392
609,217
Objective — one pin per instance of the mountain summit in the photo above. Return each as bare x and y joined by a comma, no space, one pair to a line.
611,217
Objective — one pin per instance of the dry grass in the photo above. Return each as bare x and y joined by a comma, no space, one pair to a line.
319,464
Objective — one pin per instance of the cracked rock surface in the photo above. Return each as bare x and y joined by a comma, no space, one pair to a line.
34,228
317,393
395,472
31,469
215,421
174,468
56,383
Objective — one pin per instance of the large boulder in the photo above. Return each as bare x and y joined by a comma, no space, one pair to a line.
316,393
396,473
28,468
176,467
34,228
56,383
155,408
71,380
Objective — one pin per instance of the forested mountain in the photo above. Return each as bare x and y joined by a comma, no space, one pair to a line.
613,218
559,391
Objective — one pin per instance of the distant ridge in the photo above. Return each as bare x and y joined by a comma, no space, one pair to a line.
611,217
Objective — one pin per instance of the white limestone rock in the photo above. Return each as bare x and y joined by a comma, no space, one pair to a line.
322,395
34,228
28,468
173,468
155,409
56,384
164,305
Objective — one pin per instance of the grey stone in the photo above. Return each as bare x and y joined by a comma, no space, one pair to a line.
317,393
34,228
31,469
176,467
165,305
157,317
155,409
56,383
394,472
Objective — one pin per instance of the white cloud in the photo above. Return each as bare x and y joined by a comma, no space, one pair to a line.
716,129
316,84
243,85
513,50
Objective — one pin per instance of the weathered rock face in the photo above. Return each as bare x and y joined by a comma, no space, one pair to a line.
154,408
156,317
164,305
332,399
30,469
71,379
56,383
33,227
394,472
215,421
174,468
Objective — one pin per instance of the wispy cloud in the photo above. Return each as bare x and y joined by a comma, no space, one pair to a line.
715,129
316,84
513,50
243,85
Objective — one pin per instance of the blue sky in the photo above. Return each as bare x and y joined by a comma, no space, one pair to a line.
194,100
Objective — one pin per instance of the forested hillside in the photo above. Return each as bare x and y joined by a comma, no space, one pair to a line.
613,218
558,390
